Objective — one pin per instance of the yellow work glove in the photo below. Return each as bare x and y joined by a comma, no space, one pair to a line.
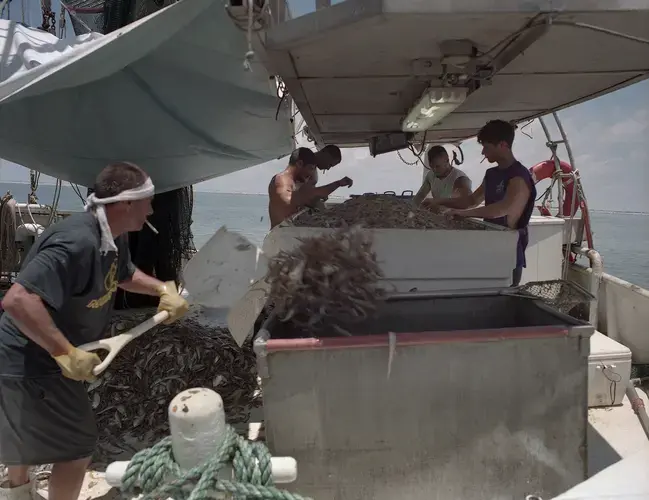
171,301
78,364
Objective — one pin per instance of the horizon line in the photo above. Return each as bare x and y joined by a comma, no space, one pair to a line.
241,193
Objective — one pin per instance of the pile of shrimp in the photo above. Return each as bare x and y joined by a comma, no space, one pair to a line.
325,284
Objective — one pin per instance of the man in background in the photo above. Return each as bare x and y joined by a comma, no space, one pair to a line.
442,180
293,188
326,158
507,189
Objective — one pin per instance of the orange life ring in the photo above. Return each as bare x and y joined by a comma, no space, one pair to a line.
545,170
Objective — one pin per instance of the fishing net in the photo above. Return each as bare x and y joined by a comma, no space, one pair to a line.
558,294
85,15
142,8
162,255
105,16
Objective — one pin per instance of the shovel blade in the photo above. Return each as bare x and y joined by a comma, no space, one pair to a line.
243,315
223,270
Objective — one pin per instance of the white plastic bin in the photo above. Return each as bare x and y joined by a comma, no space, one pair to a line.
544,250
428,259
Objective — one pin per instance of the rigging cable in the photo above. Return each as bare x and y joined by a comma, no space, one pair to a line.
62,26
507,41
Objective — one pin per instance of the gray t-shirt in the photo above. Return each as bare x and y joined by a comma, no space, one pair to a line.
76,283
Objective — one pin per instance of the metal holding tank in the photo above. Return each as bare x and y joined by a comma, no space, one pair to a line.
395,411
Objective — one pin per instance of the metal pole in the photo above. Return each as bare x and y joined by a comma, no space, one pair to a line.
596,269
571,159
553,147
564,137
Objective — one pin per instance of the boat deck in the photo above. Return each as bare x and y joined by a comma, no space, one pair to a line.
614,433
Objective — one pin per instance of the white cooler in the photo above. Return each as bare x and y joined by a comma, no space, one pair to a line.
609,370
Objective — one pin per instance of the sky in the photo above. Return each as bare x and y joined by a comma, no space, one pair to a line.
609,137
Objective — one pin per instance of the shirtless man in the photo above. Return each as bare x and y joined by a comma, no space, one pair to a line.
327,157
442,180
293,188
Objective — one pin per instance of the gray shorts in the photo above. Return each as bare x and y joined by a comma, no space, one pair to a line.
45,420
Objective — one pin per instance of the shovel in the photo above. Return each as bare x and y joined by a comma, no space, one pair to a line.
115,344
223,269
222,275
244,313
218,276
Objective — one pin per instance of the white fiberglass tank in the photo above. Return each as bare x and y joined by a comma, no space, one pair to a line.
544,255
428,259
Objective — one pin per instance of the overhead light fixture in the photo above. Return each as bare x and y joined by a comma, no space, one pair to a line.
434,104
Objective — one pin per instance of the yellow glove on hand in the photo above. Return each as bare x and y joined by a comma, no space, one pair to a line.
78,364
172,302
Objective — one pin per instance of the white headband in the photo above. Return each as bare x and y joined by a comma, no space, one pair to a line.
95,204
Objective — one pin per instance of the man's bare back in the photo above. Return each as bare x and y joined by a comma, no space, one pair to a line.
278,209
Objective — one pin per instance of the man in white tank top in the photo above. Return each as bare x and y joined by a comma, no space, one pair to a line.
442,180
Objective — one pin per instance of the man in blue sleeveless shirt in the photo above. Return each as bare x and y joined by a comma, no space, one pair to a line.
507,190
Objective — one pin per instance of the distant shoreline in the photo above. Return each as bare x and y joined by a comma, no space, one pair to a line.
601,211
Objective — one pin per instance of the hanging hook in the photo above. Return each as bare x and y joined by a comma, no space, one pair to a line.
457,161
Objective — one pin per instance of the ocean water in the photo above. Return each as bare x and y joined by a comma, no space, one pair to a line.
621,238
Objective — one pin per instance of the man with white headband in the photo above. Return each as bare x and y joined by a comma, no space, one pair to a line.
63,297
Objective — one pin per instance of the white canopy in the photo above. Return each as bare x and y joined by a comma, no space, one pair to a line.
355,69
168,92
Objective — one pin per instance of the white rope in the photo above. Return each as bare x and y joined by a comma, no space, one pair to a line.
251,53
251,22
96,205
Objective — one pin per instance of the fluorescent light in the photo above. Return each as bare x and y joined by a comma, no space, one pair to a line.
434,104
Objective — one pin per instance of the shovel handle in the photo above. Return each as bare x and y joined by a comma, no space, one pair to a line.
115,344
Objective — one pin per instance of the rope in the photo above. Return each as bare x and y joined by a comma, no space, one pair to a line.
252,23
251,53
158,475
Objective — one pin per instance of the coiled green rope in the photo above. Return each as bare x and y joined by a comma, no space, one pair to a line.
158,475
